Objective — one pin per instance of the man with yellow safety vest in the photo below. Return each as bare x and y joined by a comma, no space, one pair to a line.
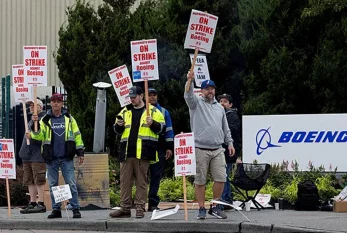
139,145
61,140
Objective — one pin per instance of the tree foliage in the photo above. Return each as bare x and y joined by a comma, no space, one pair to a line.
96,41
294,64
272,56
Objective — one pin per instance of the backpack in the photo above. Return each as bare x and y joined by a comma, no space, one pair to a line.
308,197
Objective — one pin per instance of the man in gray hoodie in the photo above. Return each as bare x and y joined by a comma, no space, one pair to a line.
209,124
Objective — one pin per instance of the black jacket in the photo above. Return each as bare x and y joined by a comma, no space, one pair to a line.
235,129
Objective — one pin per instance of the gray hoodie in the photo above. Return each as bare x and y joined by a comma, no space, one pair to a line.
208,121
32,152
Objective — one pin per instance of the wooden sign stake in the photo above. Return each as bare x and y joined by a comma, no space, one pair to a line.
25,120
192,68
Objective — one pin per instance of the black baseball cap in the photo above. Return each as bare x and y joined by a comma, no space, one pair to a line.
152,90
134,91
226,96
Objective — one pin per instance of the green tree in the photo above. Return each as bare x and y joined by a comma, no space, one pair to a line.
95,41
294,64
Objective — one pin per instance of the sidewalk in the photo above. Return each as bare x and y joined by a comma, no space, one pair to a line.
261,221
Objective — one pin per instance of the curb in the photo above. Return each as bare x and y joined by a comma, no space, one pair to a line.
153,226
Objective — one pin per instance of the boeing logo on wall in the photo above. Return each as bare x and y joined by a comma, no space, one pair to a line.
264,140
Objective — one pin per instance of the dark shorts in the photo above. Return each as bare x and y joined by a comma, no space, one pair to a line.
34,173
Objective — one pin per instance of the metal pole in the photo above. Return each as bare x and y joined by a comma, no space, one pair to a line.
3,101
8,105
100,121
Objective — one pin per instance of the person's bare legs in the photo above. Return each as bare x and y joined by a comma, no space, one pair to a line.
33,192
40,191
217,191
200,194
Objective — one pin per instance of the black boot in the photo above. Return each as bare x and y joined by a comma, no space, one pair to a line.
76,213
55,214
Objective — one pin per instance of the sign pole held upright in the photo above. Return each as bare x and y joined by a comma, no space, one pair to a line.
35,108
200,23
146,96
8,197
8,169
185,198
25,120
192,68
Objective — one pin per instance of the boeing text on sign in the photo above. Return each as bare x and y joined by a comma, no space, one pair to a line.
320,139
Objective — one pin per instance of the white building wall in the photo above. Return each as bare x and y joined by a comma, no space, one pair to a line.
33,22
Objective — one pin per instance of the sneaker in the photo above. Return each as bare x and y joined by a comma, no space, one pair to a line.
227,207
202,213
140,213
217,212
76,213
55,214
151,208
39,209
27,210
121,213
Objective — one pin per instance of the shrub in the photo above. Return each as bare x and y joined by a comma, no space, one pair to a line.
17,190
325,187
172,189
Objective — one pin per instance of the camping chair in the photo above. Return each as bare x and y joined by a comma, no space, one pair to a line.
249,177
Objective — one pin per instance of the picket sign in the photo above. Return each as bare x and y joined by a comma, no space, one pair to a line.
200,34
61,194
201,72
185,161
22,93
262,199
35,70
121,82
7,167
144,60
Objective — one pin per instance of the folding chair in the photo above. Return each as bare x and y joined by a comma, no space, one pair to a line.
249,177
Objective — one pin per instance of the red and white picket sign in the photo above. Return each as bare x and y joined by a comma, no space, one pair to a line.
144,59
20,90
185,162
197,91
201,30
35,65
121,82
7,159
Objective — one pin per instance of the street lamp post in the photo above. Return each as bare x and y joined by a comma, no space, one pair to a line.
100,117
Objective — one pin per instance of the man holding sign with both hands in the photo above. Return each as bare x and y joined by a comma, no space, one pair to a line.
139,144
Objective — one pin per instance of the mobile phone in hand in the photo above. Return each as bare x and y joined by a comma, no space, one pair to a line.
119,118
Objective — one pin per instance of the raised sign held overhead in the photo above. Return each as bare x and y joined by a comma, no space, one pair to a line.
144,59
35,65
201,30
20,90
121,82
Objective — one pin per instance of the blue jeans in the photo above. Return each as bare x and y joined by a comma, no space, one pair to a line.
68,172
156,173
227,195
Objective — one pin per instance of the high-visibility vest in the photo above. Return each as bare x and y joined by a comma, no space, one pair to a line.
147,140
72,135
